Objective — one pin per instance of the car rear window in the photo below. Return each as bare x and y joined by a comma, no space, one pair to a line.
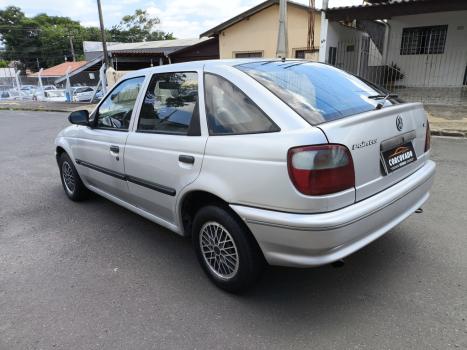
317,92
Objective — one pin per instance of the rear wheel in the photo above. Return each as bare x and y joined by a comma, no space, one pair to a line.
225,249
72,184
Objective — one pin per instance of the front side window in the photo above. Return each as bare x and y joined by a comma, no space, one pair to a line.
115,111
229,111
170,103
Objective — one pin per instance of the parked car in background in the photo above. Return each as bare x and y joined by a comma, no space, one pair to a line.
49,87
52,96
83,94
10,94
28,89
292,163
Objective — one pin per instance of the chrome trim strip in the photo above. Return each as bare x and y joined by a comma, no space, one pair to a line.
101,169
151,185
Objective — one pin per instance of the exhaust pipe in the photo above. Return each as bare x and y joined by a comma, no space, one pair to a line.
338,263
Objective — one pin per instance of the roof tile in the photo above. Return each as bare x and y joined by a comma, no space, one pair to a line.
60,69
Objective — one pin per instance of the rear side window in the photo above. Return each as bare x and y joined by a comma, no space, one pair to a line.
230,112
171,104
317,92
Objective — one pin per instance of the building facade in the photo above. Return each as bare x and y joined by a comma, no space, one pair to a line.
254,32
407,44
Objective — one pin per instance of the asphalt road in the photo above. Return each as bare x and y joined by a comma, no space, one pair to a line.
95,276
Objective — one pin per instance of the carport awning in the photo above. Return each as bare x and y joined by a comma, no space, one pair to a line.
387,10
95,64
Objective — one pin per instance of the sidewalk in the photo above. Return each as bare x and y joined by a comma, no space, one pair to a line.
44,106
445,120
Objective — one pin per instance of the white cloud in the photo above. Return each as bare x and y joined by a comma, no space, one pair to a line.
183,18
190,18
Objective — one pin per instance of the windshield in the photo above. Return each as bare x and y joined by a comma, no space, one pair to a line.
317,92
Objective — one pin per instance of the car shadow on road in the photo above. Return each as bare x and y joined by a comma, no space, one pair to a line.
290,291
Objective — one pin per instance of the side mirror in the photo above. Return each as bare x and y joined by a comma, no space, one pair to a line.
79,117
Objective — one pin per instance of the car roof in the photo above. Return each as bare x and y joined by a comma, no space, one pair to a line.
201,64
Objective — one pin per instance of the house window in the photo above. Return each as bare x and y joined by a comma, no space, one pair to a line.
424,40
248,54
303,53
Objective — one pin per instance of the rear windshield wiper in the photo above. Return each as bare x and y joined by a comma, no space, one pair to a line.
384,97
379,97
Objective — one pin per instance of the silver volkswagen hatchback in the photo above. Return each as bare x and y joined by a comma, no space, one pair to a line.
289,163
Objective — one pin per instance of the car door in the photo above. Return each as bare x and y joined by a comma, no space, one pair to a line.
165,151
99,149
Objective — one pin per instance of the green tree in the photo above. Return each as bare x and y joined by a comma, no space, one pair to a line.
19,35
44,41
139,26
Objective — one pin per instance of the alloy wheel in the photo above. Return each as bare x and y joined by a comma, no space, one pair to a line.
68,177
219,250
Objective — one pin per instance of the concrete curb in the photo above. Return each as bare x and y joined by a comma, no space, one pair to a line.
49,107
448,132
35,109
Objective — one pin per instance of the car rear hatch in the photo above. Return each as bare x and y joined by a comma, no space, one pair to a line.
387,145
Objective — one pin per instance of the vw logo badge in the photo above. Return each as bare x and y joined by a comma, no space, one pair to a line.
399,123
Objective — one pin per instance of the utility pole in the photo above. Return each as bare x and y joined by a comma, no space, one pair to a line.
104,44
310,43
323,46
282,39
72,48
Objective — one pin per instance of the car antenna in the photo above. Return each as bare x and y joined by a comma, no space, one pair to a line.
283,59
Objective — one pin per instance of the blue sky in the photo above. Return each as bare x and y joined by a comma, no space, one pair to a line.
185,18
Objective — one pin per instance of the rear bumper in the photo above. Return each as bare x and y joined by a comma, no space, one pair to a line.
306,240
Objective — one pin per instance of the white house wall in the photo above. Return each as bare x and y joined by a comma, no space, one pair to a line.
341,37
431,70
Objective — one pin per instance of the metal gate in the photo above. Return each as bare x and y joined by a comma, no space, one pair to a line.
419,58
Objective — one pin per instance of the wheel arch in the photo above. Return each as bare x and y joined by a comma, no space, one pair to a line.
191,202
195,199
62,146
59,150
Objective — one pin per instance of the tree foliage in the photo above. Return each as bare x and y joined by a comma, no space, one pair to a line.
138,27
44,41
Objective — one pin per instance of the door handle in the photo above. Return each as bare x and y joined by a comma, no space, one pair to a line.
114,149
186,159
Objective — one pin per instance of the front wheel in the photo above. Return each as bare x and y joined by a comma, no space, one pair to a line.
226,249
72,184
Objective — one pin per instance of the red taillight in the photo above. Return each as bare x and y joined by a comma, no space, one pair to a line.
320,170
427,137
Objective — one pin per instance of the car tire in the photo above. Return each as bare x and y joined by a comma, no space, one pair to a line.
72,184
226,250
